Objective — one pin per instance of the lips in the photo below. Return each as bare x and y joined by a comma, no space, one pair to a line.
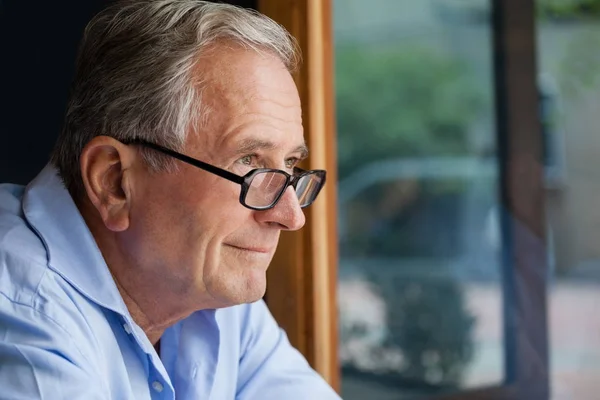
254,249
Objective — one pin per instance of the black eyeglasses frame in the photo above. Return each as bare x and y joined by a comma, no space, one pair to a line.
246,180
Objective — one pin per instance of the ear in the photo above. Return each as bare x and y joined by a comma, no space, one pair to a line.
105,168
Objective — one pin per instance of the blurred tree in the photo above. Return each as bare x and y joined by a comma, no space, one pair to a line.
580,66
429,323
401,103
409,102
568,9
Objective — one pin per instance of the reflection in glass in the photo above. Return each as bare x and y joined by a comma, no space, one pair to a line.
569,84
420,296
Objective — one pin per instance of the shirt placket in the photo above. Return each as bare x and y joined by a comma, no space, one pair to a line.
158,380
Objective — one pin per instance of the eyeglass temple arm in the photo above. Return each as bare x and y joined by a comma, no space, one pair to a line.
197,163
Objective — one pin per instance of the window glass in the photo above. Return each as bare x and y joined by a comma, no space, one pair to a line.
568,38
420,293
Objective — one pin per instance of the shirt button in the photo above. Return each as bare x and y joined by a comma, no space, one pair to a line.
127,328
156,385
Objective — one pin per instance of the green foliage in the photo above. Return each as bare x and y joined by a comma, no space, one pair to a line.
568,9
394,102
580,66
409,102
429,322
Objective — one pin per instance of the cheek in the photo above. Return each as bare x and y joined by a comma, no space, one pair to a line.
222,227
210,219
161,218
158,230
188,218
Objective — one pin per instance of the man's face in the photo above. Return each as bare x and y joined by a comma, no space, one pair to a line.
189,226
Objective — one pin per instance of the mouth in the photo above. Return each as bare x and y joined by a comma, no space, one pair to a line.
251,249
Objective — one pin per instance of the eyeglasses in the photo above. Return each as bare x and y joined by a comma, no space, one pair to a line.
262,188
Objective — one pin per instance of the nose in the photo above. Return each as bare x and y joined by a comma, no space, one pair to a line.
286,213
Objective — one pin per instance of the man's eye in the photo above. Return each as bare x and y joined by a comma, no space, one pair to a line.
247,160
291,162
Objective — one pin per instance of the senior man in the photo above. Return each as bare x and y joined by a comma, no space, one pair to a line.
133,265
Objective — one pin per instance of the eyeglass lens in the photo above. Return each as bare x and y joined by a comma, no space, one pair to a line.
267,186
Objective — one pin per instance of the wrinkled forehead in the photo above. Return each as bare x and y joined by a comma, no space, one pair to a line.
249,97
237,75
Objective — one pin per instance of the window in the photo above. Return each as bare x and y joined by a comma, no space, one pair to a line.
438,260
464,152
567,39
420,284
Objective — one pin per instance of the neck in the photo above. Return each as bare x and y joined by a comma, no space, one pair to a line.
140,287
151,323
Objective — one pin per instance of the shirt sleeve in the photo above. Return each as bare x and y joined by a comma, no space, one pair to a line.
38,358
270,368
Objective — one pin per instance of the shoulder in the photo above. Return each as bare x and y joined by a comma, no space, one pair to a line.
23,257
34,299
48,316
26,277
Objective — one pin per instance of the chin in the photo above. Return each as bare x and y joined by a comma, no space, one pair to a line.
255,287
240,288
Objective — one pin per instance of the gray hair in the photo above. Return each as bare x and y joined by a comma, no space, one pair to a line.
134,74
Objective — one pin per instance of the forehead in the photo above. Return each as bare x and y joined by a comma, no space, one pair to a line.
251,101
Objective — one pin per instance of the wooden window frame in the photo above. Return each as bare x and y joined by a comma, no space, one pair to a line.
303,277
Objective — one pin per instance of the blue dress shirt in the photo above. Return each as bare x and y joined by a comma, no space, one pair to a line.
65,332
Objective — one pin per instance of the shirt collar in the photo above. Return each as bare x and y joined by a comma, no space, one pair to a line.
72,250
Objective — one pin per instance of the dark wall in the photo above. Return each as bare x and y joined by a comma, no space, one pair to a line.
38,44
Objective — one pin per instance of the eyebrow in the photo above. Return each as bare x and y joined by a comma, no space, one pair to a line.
252,145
